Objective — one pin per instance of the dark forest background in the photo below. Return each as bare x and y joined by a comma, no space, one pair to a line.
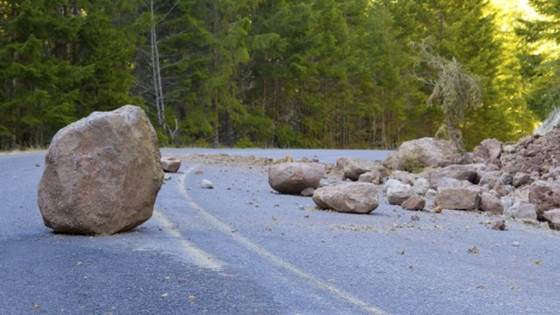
273,73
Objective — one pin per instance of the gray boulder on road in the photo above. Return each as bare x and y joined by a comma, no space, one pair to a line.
293,178
466,197
347,197
170,164
397,192
102,174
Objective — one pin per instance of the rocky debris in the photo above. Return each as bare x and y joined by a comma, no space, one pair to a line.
521,210
468,172
491,203
521,179
533,154
347,197
414,203
488,152
308,192
375,176
415,155
102,174
490,178
553,218
294,177
403,177
462,197
545,196
170,164
397,192
206,184
421,186
353,168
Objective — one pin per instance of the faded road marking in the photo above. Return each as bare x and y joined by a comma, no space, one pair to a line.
195,254
257,249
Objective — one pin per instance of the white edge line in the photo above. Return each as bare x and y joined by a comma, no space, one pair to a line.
195,254
247,243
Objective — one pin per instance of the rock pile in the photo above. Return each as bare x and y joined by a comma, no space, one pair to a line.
520,181
102,174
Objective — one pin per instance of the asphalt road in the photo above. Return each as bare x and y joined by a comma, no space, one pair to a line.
241,249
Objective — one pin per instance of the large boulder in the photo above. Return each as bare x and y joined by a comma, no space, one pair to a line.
347,197
102,174
353,168
397,192
545,196
415,155
293,178
461,197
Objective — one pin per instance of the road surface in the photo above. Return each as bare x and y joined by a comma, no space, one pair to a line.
242,249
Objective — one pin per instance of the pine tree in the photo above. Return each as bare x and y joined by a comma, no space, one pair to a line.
59,60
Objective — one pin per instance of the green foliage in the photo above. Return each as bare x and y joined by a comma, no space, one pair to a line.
58,63
306,73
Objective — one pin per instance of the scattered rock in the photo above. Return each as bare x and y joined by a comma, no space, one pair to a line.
206,184
544,195
347,197
468,172
308,192
414,203
403,177
490,178
491,203
293,178
515,244
374,177
553,218
499,225
521,179
102,174
488,151
353,168
397,192
522,210
170,164
415,155
459,198
421,186
473,250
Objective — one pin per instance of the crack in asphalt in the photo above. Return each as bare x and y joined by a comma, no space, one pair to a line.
275,260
